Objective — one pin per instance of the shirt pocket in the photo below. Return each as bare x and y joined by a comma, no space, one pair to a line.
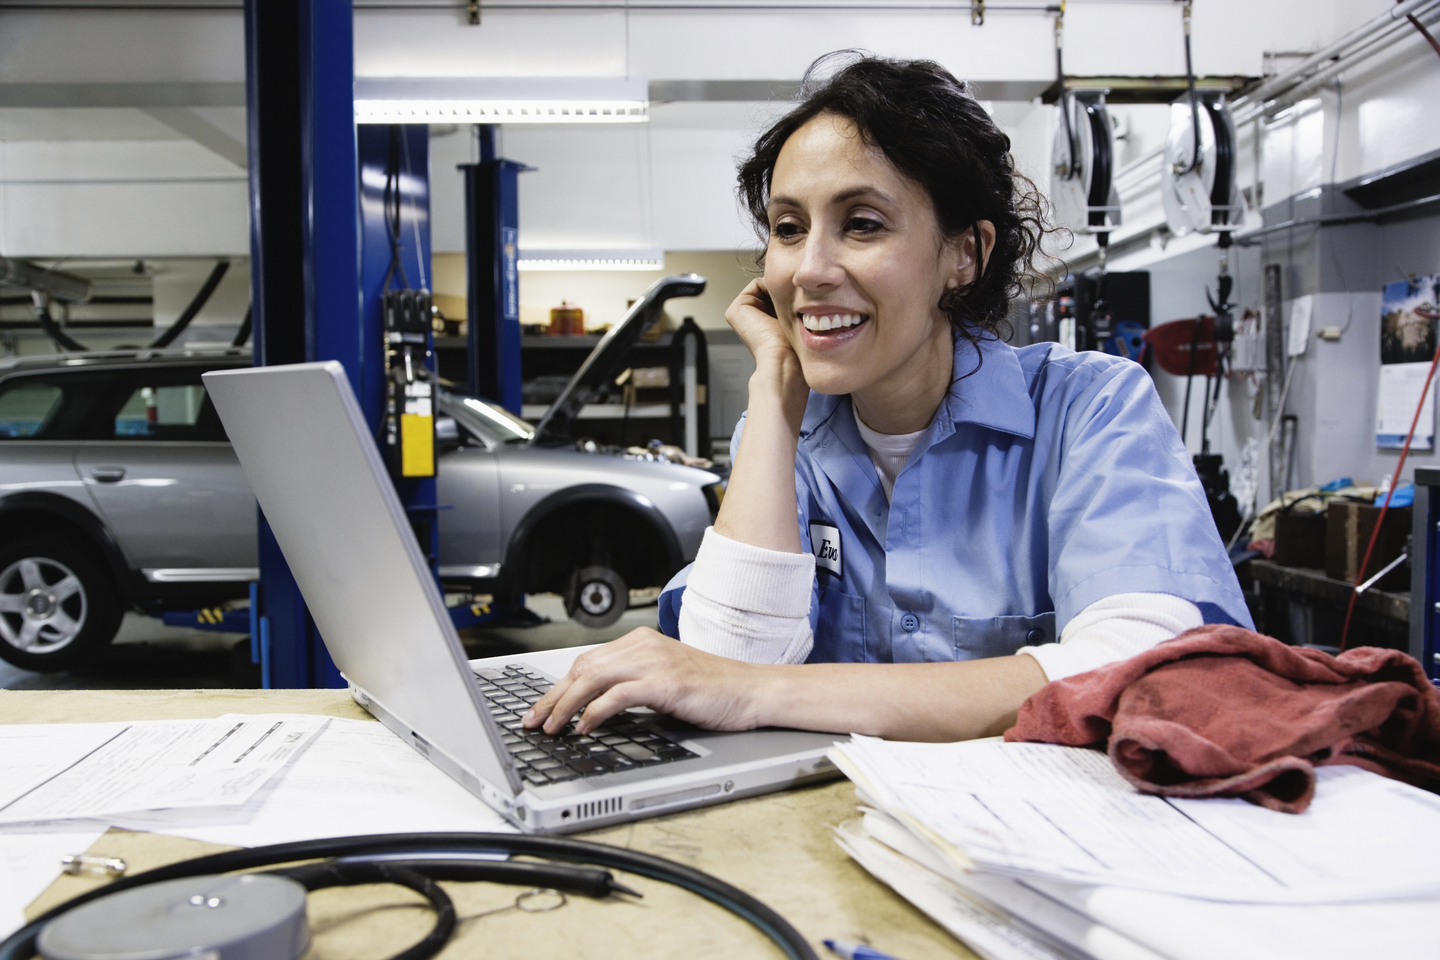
979,637
840,634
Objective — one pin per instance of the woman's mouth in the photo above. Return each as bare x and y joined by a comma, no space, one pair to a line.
825,323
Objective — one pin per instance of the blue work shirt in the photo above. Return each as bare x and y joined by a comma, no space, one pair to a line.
1047,480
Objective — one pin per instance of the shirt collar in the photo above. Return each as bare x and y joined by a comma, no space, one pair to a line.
990,390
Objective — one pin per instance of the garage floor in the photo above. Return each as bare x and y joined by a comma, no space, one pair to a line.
149,656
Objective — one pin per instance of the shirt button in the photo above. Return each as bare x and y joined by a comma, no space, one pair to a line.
1035,636
910,623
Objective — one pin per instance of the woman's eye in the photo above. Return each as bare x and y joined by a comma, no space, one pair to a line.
785,230
863,225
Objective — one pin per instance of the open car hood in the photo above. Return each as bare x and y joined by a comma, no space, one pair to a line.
607,359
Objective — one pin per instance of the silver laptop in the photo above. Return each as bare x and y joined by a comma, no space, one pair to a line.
307,452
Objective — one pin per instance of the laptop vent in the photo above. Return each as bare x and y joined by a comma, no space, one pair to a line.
598,808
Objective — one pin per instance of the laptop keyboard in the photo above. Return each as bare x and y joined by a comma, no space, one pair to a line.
624,742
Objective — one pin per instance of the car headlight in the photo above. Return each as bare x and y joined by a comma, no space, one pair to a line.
714,496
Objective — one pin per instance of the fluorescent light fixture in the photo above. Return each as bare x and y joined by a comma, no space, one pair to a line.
591,260
501,100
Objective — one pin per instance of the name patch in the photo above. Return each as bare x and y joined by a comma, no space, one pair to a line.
825,541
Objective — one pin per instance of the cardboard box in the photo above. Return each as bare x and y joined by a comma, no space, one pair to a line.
1300,538
1348,528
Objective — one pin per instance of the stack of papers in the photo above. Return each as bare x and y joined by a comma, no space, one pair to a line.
238,780
1033,850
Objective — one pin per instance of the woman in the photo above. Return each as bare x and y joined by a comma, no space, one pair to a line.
959,501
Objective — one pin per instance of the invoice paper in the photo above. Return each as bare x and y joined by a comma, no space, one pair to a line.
118,768
30,754
1035,810
357,778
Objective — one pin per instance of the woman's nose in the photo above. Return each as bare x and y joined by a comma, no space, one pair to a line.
819,265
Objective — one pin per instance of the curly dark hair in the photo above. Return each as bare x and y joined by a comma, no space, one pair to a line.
934,132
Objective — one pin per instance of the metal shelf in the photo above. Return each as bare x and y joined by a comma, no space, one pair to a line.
604,411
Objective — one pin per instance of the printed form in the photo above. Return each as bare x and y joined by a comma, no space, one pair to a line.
68,771
357,778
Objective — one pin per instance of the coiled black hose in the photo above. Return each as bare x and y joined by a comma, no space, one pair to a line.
21,944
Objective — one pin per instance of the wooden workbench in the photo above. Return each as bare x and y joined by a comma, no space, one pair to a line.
777,847
1382,619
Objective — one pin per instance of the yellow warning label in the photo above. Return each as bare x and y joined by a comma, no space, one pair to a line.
417,445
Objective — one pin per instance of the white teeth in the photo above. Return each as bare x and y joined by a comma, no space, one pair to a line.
831,322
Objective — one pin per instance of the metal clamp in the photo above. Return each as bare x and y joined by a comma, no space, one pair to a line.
88,865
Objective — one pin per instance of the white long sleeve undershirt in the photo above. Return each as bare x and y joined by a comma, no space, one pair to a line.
753,604
748,603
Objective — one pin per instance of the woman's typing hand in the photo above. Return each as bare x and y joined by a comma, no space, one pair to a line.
645,668
897,701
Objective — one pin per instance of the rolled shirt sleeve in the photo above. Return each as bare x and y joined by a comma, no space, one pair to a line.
1115,628
748,603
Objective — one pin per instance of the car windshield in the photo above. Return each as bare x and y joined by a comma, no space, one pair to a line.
488,419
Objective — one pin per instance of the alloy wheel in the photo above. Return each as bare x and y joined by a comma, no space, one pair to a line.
42,605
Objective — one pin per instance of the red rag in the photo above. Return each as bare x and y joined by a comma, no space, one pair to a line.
1221,711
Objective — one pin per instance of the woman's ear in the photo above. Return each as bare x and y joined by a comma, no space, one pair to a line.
966,266
987,243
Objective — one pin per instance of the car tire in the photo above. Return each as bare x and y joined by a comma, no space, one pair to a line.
58,606
596,597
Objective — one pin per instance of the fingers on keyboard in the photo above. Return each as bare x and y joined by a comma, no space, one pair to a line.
623,742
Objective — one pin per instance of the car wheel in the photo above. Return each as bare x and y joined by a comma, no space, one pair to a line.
596,597
57,605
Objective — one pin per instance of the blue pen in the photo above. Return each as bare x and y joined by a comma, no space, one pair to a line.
856,951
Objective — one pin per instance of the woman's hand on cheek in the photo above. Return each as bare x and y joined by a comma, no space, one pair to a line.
647,669
752,315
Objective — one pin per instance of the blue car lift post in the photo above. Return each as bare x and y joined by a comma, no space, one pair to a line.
305,262
492,253
319,253
492,349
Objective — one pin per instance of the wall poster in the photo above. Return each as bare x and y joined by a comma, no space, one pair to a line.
1408,313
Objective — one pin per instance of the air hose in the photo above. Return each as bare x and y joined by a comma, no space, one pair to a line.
420,873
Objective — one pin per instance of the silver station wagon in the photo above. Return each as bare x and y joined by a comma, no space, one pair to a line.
119,490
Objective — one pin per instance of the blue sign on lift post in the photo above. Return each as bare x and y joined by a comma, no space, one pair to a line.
394,169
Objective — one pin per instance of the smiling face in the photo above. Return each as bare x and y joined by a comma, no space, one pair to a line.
856,266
